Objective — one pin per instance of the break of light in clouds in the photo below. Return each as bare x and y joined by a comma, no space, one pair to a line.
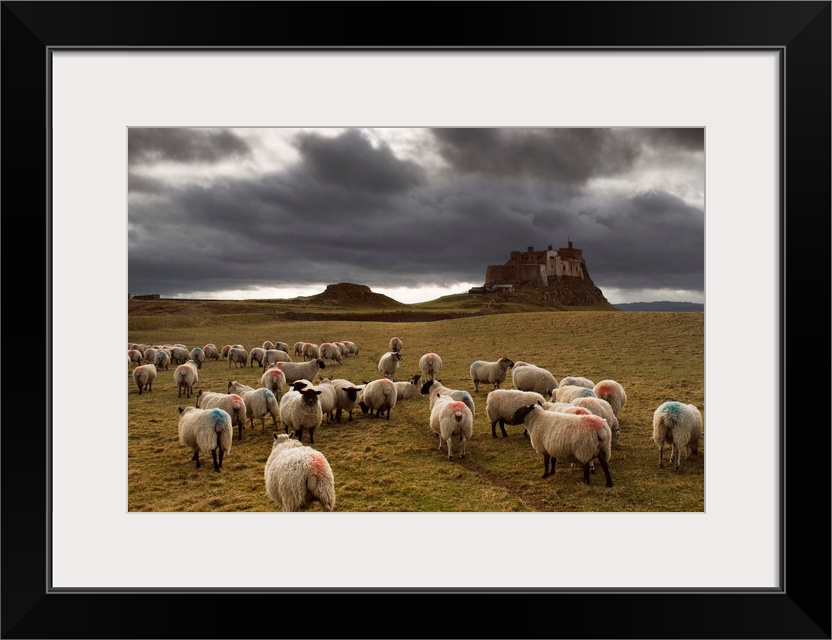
413,213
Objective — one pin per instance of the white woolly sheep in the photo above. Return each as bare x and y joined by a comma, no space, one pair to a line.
281,346
502,404
237,356
275,380
352,348
185,377
301,410
347,396
297,475
299,348
450,418
259,402
342,348
205,430
378,395
601,407
573,438
149,355
311,351
143,376
492,373
571,391
256,355
179,355
530,377
330,351
409,389
680,425
275,355
224,351
328,397
389,363
162,360
395,345
567,407
136,356
430,365
198,356
268,344
577,381
300,370
211,352
231,403
613,392
433,388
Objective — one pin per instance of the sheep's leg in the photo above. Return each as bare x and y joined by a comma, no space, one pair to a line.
503,428
586,472
214,458
222,452
494,429
676,455
546,458
661,453
312,435
196,457
449,442
462,453
606,468
388,413
299,434
240,425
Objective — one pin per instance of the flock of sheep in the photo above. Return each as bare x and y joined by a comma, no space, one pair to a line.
573,420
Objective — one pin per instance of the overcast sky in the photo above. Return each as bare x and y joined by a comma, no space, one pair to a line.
412,213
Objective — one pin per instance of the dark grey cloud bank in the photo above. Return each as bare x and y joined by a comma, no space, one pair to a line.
348,209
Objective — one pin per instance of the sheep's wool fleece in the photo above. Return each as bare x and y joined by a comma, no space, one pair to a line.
293,469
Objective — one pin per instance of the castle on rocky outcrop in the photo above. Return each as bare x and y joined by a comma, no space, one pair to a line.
561,275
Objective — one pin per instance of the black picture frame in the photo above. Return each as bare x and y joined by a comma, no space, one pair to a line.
800,608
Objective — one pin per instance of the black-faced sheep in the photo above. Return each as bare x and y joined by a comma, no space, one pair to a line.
231,403
430,364
492,373
501,405
301,410
679,425
298,475
378,395
347,396
143,376
449,418
205,430
433,388
573,438
389,363
409,389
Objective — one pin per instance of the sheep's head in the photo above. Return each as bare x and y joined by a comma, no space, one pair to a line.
519,416
310,396
426,387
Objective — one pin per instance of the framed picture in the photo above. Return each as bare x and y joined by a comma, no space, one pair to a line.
736,572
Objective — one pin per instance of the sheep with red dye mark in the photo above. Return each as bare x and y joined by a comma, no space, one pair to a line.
530,377
577,381
301,409
311,351
149,355
231,403
259,402
395,345
352,348
205,430
275,380
389,363
297,476
502,404
432,388
569,392
573,438
601,407
679,425
493,373
185,376
143,376
613,392
211,352
136,356
409,389
430,364
378,395
299,348
451,418
330,351
224,351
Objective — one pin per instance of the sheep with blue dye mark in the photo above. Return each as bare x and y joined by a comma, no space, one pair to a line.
577,381
143,376
679,425
573,438
162,360
432,388
204,430
613,392
493,373
502,404
451,418
530,377
297,476
301,409
378,395
430,364
300,370
409,389
198,356
231,403
185,376
389,363
259,402
569,392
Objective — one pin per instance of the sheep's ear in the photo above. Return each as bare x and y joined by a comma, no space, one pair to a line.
275,435
181,409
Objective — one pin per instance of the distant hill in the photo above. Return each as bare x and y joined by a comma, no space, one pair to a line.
664,305
347,294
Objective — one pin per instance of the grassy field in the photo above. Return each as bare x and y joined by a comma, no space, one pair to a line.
395,465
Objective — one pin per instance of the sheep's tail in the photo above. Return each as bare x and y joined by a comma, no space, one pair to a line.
319,480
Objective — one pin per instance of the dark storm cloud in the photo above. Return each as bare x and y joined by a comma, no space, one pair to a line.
137,183
681,138
349,211
567,156
151,145
351,161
